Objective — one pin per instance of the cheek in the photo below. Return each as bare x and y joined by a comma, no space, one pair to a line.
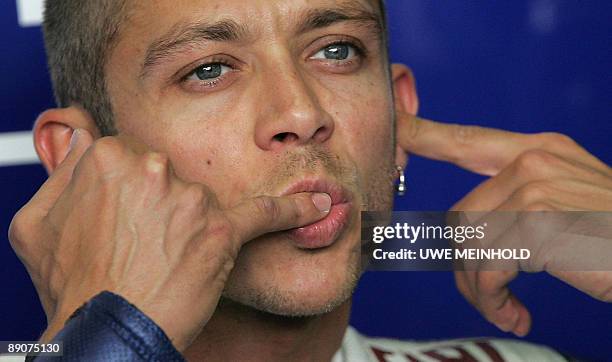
214,151
202,149
364,120
213,161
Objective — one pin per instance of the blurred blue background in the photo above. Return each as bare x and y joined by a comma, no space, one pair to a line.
526,66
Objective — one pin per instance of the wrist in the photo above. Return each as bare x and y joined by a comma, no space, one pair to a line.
51,331
180,333
58,321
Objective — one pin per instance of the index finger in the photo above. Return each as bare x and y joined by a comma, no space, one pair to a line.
266,214
48,193
480,149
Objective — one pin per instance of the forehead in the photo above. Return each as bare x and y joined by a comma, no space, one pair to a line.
157,16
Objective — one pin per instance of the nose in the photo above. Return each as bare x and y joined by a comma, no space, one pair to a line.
292,115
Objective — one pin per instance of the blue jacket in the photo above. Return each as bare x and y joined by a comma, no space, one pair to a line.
109,328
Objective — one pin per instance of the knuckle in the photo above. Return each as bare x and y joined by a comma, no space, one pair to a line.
556,140
17,230
108,146
268,206
105,153
533,192
155,164
534,162
297,209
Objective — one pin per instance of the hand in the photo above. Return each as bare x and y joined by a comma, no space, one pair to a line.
537,172
112,219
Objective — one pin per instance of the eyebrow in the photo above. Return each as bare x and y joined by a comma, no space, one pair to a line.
324,17
182,36
185,35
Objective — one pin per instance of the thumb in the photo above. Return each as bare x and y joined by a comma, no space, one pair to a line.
265,214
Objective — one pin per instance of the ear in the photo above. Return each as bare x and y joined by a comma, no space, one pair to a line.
406,101
404,89
53,130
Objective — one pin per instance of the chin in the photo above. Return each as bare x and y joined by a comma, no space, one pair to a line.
273,276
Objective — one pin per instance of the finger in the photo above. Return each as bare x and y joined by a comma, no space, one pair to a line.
531,166
595,283
57,181
562,195
490,282
524,321
479,149
495,301
464,285
266,214
513,317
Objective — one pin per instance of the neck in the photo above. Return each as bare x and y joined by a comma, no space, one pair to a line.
238,333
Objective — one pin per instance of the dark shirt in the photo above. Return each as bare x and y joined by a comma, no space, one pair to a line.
109,328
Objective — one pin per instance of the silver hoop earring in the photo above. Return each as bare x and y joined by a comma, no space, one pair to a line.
401,186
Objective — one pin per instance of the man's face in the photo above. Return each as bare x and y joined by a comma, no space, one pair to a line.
260,97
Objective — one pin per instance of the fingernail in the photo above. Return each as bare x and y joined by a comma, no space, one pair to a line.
74,139
322,202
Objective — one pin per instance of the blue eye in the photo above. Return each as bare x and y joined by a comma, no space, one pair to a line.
209,71
340,51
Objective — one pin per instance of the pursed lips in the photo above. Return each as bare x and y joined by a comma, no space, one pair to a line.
327,230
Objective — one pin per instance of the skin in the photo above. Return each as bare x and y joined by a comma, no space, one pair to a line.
206,167
281,90
538,172
338,117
